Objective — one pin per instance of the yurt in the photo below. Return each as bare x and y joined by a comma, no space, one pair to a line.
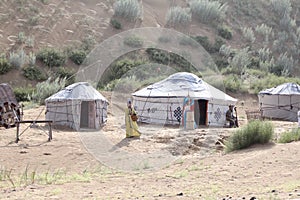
7,94
165,102
280,102
78,106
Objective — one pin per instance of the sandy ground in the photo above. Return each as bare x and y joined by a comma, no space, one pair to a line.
165,163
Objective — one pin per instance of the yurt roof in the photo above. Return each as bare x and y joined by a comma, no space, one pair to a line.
80,91
283,89
7,94
183,84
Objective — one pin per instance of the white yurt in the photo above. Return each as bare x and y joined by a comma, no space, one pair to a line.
280,102
78,106
165,102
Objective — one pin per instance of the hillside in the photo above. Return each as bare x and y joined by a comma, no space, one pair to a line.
64,25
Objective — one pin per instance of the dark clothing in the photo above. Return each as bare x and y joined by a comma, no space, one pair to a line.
231,118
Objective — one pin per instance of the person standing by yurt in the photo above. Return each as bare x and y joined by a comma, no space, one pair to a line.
130,121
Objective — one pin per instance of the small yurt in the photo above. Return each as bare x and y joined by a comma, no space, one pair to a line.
168,101
78,106
280,102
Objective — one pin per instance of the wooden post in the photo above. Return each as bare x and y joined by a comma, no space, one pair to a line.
50,132
17,134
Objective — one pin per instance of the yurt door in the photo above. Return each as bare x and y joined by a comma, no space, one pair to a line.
201,112
87,118
84,114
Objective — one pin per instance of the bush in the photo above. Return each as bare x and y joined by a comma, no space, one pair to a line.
4,65
78,56
225,32
17,60
23,94
33,73
178,16
204,41
208,11
63,72
46,89
290,136
128,9
133,41
115,23
255,132
88,43
232,83
51,57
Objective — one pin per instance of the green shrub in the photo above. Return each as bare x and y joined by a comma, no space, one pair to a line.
31,59
33,73
23,94
4,65
225,32
115,23
204,41
290,136
178,16
128,9
21,38
69,75
133,41
88,43
232,83
281,7
78,56
208,11
51,57
17,60
30,41
255,132
46,89
248,34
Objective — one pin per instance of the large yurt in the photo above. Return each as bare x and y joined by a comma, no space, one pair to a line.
280,102
78,106
165,102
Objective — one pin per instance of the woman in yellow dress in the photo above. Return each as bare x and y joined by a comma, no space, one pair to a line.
131,126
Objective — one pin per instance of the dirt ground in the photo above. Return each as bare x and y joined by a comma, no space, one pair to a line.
165,163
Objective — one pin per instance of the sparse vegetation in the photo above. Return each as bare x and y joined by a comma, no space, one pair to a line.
225,32
78,56
33,73
290,136
127,9
17,60
23,93
133,41
51,57
115,23
47,88
255,132
4,65
208,11
178,16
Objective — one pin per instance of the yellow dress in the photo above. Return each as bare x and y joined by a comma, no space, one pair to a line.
131,126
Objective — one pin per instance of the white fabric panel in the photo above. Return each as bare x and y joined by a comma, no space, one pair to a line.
283,107
216,114
157,112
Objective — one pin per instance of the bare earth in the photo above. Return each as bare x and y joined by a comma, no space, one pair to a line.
190,166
